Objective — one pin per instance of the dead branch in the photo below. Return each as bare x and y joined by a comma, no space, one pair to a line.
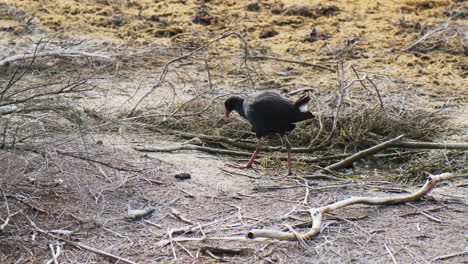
55,253
435,37
80,245
317,213
179,216
195,227
231,152
453,255
165,69
242,153
378,95
9,215
192,147
361,154
303,63
78,156
165,242
64,53
428,145
227,251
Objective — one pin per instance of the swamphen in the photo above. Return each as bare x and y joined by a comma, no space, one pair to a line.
269,113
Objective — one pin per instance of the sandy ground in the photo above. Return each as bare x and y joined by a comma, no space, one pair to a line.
101,176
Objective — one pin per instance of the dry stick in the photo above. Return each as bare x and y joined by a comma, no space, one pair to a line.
457,254
9,215
195,227
80,245
224,250
390,253
6,61
183,239
317,213
226,152
165,69
361,154
192,147
378,95
55,254
362,82
429,145
179,216
291,61
218,139
427,35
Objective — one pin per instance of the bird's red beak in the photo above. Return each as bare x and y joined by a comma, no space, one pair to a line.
226,114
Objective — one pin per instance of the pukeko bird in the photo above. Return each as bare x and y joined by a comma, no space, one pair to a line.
269,113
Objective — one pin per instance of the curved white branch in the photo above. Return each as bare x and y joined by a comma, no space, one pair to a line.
70,53
317,213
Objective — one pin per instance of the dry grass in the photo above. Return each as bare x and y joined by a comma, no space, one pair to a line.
92,200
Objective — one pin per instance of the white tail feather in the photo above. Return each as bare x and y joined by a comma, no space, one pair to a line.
303,108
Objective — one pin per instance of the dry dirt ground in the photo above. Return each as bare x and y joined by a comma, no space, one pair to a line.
69,169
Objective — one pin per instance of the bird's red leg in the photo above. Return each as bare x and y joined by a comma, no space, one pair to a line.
251,160
288,147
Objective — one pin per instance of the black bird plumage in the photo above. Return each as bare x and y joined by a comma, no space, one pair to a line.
269,113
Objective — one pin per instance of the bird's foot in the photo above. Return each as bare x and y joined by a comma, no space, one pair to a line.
290,173
238,166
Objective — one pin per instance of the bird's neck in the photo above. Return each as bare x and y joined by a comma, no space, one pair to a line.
240,108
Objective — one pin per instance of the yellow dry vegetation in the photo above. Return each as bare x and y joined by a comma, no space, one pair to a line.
305,30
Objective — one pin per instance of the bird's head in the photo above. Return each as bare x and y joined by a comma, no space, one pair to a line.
232,103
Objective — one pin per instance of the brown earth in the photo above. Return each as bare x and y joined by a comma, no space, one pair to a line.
77,171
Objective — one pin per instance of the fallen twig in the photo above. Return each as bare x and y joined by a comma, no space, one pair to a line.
361,154
437,36
195,227
165,70
162,243
80,245
378,95
256,57
227,251
9,215
192,147
229,152
179,216
55,253
428,145
456,254
67,53
317,213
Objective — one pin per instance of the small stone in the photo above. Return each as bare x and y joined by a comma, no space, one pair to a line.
183,176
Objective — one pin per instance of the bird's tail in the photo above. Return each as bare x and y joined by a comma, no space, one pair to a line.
301,103
301,106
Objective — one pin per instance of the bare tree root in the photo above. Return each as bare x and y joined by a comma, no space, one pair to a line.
317,213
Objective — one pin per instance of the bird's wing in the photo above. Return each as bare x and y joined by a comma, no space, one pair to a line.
270,112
